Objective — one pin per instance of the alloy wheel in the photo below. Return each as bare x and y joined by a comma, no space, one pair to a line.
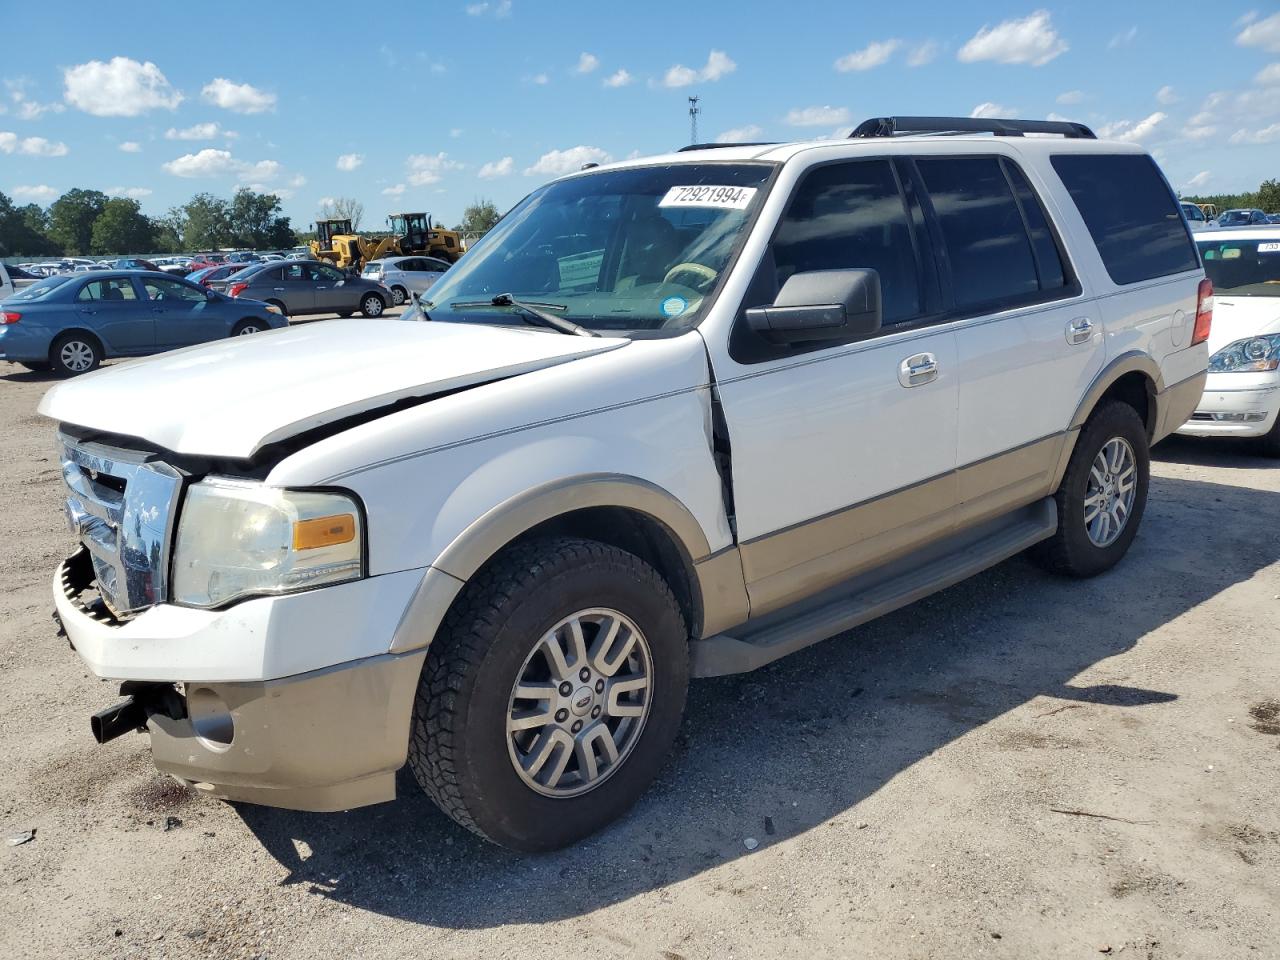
1109,495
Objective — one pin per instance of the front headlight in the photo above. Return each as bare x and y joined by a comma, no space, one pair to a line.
238,539
272,308
1254,355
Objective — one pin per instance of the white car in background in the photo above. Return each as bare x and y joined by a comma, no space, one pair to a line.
1242,393
1196,219
405,275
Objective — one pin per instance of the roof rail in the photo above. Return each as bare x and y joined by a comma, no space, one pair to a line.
892,126
720,146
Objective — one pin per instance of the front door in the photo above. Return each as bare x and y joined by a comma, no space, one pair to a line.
843,456
329,289
183,313
110,307
298,291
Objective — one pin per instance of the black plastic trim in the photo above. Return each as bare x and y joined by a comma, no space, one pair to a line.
896,126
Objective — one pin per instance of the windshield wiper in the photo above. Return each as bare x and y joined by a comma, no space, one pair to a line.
534,312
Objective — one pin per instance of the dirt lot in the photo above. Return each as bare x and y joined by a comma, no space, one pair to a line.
915,787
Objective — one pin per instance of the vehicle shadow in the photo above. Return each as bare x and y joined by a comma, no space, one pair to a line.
1224,454
17,374
806,739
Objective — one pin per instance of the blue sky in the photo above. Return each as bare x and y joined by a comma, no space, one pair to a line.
429,105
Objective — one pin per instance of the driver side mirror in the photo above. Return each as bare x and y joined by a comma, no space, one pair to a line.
821,305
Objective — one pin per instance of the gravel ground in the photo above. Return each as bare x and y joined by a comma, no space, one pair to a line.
1018,767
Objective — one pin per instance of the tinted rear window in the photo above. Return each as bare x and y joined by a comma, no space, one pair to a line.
1131,214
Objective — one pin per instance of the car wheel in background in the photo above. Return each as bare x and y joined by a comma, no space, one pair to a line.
398,296
1102,495
372,305
75,353
246,327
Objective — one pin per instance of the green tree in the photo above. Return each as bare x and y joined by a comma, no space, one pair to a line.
253,218
71,219
122,228
479,218
1269,196
23,230
205,222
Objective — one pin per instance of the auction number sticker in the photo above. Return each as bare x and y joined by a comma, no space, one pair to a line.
1269,248
726,198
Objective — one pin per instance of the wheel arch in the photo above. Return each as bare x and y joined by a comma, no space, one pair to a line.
1133,377
627,512
80,331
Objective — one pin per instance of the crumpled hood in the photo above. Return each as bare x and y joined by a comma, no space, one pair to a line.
1235,318
232,397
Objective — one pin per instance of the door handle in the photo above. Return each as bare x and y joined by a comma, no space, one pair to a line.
918,369
1079,330
278,289
322,288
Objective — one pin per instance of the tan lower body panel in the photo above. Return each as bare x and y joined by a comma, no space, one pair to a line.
1176,404
327,740
796,563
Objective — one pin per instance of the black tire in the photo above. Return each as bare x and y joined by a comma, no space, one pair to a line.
1269,443
248,326
343,314
459,746
35,366
398,296
75,344
372,305
279,305
1070,551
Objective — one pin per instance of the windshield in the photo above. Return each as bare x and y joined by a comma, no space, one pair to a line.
1243,268
1192,212
623,250
1234,216
40,288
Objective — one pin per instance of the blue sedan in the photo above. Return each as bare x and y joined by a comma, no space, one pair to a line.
70,324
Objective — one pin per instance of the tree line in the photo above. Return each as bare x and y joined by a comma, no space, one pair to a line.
88,222
1266,197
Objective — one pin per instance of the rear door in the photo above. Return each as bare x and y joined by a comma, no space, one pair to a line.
184,315
1028,342
111,307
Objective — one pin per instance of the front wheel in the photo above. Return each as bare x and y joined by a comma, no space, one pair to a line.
398,296
372,305
552,694
1102,496
246,327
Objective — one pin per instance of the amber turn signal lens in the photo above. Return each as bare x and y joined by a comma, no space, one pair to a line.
324,531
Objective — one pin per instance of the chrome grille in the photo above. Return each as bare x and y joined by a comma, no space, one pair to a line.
121,504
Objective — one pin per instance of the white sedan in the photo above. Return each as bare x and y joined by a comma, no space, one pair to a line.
1242,393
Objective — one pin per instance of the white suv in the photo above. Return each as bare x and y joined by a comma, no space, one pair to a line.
672,417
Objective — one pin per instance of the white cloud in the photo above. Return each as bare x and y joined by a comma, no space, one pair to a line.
131,146
619,78
1029,40
989,110
425,168
923,54
394,191
1123,38
350,161
718,65
237,97
31,146
31,110
1193,131
41,192
1129,131
1199,180
207,163
539,79
133,193
556,163
199,131
497,168
816,116
872,55
1167,96
1262,33
500,10
118,88
745,134
1268,76
329,201
262,170
1266,135
1247,17
1070,97
586,63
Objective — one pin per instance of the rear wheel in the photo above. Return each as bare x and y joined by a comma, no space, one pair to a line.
1102,496
371,305
75,353
552,694
398,296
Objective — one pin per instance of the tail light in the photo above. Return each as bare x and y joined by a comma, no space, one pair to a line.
236,289
9,317
1204,312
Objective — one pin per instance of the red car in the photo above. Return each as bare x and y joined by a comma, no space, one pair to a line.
214,271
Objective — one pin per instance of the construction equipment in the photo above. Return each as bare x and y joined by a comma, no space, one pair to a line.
411,233
1209,210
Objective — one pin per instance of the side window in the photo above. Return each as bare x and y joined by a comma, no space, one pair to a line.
410,266
320,271
117,288
851,216
296,271
1131,214
1048,259
435,266
982,230
170,290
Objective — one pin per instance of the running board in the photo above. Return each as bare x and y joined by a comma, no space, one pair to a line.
874,593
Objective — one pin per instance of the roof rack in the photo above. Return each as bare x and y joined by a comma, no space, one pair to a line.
892,126
720,146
